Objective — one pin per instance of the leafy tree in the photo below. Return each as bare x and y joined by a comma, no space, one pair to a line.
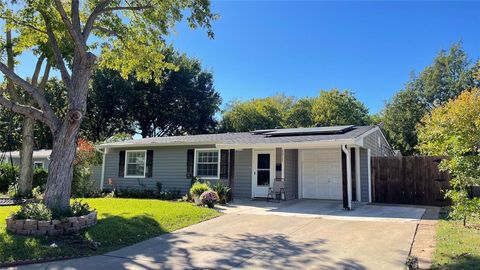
129,35
261,113
300,115
453,130
338,108
448,75
119,137
185,102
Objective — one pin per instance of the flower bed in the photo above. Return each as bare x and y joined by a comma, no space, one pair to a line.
52,227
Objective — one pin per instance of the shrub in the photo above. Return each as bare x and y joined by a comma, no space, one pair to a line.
37,211
8,176
82,184
13,191
198,188
209,198
78,208
222,191
40,176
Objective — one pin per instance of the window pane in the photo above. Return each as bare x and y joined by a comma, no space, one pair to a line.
263,161
135,163
207,169
263,178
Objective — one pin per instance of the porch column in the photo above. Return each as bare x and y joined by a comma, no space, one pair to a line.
348,168
357,174
369,157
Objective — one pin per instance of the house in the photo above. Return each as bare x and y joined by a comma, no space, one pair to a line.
41,158
315,163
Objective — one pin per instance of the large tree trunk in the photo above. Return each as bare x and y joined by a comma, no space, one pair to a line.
60,171
26,155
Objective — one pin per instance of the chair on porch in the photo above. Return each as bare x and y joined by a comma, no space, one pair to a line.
277,190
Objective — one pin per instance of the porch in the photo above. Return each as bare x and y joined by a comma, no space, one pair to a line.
334,172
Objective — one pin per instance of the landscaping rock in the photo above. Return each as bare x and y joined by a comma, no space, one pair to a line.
53,227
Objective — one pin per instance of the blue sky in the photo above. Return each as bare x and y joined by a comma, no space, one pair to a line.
297,48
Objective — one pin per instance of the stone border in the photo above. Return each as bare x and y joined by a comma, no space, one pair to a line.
52,227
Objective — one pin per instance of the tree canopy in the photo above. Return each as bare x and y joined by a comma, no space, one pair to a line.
453,130
184,102
449,75
332,107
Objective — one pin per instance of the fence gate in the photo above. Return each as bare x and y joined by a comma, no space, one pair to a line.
409,180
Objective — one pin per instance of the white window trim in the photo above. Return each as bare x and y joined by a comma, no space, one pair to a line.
38,162
144,164
195,163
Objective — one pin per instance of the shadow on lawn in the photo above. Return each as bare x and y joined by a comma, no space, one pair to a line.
463,262
111,232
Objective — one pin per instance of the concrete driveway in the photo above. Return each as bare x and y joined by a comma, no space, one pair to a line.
261,235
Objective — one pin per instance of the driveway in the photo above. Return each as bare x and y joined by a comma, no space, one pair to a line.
260,235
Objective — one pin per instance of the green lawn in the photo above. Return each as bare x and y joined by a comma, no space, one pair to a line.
121,222
457,247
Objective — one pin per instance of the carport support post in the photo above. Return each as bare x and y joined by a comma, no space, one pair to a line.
346,150
357,174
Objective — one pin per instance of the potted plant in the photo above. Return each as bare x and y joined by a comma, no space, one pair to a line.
198,189
222,191
209,198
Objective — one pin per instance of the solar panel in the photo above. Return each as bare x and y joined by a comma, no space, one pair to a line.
304,131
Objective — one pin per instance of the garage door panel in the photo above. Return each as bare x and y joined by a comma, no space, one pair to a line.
321,174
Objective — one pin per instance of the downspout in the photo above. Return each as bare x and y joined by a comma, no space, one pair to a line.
349,175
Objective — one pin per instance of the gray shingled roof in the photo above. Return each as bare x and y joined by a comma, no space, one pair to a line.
242,138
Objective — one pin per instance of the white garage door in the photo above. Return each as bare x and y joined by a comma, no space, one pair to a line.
322,174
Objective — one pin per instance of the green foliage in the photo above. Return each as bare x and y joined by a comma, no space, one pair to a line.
80,208
449,75
82,184
337,107
40,176
189,102
453,130
119,137
222,191
329,108
8,176
37,211
198,188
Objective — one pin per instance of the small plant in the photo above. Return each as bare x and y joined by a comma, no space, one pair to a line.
37,193
412,263
198,188
37,211
209,198
222,191
40,176
78,208
8,176
13,191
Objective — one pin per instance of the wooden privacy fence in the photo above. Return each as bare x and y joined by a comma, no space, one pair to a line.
409,180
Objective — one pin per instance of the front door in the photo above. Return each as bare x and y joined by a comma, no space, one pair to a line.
263,172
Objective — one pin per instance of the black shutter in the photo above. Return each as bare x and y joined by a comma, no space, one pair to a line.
231,178
190,157
121,163
149,163
223,164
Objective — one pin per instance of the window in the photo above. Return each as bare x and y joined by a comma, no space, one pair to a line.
206,163
38,164
135,163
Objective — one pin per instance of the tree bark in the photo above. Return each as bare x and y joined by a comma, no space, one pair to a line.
26,156
60,170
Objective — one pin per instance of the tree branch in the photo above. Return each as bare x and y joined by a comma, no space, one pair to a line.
28,111
36,72
74,11
23,24
46,74
60,64
76,36
49,115
99,9
128,8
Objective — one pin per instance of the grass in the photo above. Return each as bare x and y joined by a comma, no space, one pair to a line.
121,222
457,247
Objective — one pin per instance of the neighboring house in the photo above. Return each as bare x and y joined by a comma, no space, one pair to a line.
315,163
41,158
